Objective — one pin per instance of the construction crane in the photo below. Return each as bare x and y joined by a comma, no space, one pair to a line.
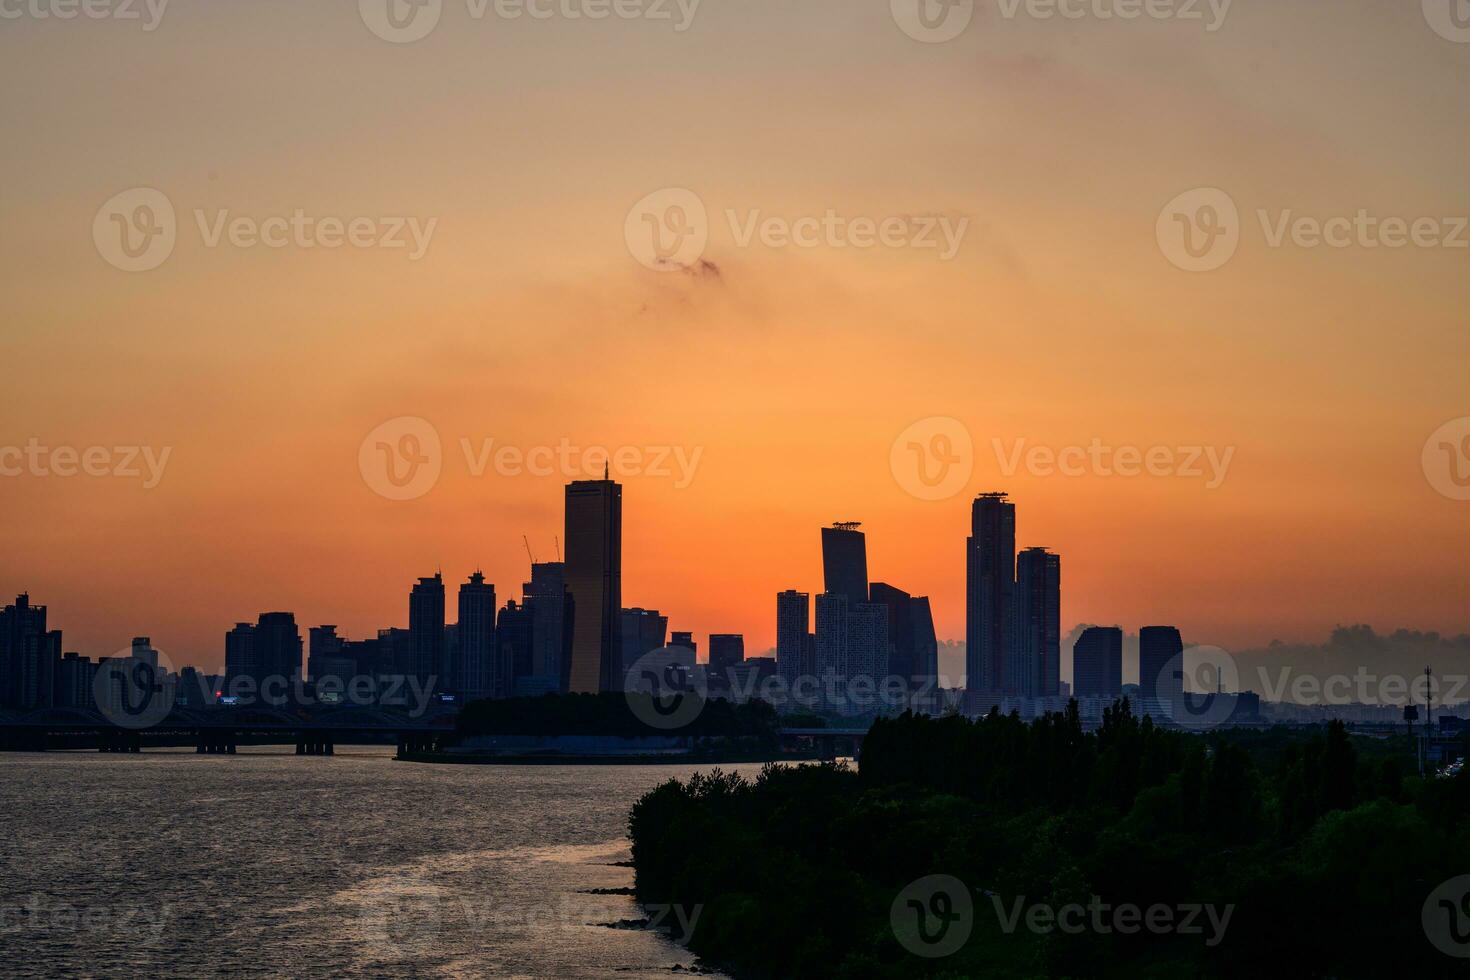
528,549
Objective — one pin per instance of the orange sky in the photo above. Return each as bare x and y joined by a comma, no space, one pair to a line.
790,370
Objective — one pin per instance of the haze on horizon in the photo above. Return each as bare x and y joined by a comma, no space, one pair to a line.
788,372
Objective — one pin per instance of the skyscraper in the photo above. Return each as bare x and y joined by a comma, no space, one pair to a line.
845,562
990,581
832,635
426,632
550,615
1097,663
793,621
477,673
900,627
278,646
594,576
642,631
1036,656
514,652
28,655
867,651
925,648
725,651
1160,669
241,659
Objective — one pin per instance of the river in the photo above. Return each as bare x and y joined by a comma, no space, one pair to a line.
265,863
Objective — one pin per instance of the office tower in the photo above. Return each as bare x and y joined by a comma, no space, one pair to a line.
901,637
1160,670
1097,663
369,658
925,643
793,621
478,674
75,675
725,651
990,580
1036,656
241,658
278,645
398,652
832,635
549,608
867,651
426,632
143,650
641,631
809,656
845,562
514,652
685,641
323,644
749,679
28,655
594,572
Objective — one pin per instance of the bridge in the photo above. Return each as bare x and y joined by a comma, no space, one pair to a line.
829,740
221,729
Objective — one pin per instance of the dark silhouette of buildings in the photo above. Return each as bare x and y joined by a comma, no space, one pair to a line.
725,651
793,625
479,673
642,631
426,632
912,644
1160,667
990,581
549,606
268,648
594,572
29,654
1097,663
514,642
831,635
1036,660
845,562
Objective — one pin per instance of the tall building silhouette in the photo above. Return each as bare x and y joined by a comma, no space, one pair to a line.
925,663
867,645
990,581
278,645
241,659
514,652
1097,663
641,631
1035,657
594,577
479,672
831,634
426,632
1160,668
793,622
912,644
845,562
29,654
726,650
547,663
